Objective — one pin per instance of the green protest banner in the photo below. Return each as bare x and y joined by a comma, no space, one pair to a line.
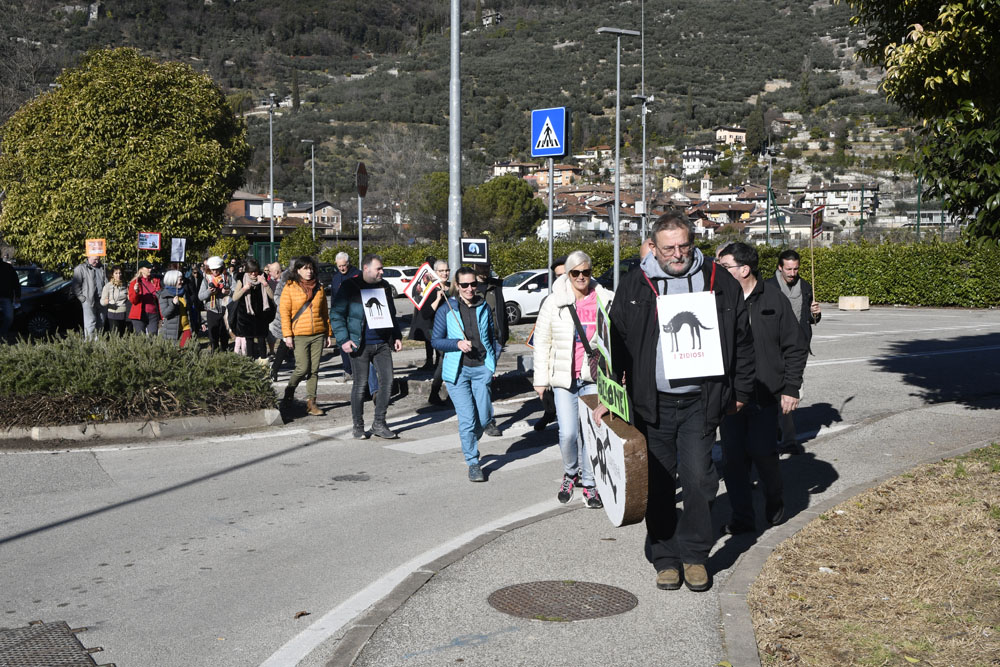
613,396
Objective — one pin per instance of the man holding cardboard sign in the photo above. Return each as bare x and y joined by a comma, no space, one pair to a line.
677,389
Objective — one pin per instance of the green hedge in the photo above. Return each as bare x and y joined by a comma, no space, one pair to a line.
921,274
72,380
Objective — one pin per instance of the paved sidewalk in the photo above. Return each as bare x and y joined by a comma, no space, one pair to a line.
440,615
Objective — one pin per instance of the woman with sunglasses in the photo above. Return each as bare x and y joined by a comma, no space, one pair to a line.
561,363
464,331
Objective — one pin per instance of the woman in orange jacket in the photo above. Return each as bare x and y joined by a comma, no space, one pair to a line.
305,327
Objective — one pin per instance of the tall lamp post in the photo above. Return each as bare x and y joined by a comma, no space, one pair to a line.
312,167
645,99
270,157
618,33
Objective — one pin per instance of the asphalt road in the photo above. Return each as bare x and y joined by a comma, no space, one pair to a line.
203,551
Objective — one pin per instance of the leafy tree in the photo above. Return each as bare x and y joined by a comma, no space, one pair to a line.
505,206
756,136
122,145
300,242
228,247
430,204
940,63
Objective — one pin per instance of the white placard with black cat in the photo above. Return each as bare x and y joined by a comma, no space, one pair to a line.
689,335
376,307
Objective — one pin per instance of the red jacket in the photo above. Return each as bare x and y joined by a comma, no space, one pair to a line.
136,299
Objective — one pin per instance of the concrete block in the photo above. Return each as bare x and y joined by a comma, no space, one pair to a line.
853,303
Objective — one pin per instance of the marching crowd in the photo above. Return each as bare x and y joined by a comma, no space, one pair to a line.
763,327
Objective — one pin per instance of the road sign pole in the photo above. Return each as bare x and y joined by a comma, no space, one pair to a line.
361,181
552,172
360,250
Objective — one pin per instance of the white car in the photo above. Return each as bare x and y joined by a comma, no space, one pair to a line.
523,292
398,276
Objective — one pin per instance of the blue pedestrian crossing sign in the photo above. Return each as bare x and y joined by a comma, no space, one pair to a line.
549,137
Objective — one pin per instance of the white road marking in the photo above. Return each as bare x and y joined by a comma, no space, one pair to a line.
300,646
884,357
427,445
258,435
983,325
537,455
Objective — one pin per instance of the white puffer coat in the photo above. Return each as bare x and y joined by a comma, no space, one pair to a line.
555,332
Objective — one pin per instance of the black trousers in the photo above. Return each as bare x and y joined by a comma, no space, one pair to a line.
218,335
679,451
750,438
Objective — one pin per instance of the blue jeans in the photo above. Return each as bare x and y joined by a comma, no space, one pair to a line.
470,393
574,454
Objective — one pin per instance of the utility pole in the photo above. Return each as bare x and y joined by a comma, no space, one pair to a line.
455,146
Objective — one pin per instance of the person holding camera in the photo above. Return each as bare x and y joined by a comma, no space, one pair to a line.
215,293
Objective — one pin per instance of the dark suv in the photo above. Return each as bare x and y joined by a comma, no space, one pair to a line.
607,280
47,303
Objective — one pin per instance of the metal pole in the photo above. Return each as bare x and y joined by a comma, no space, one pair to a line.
645,206
862,211
270,154
360,251
920,195
768,225
551,196
455,147
618,171
312,163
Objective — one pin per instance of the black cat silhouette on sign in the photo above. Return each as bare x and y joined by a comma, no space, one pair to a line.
689,335
376,307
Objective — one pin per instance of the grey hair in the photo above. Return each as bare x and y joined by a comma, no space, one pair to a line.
575,259
340,256
440,263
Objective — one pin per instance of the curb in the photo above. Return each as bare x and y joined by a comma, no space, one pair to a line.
738,638
165,428
356,636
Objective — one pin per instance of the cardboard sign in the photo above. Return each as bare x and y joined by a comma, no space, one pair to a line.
475,251
177,247
95,248
423,286
690,346
149,241
376,307
618,453
817,221
602,337
613,396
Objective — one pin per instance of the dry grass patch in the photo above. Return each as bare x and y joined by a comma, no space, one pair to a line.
906,573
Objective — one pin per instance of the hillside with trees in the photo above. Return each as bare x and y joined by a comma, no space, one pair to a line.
369,81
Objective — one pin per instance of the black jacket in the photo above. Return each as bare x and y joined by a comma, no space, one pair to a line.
778,343
635,331
492,291
805,318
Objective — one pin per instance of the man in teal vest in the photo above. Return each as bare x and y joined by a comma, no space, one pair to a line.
464,331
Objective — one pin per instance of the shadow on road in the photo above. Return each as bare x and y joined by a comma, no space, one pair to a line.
963,370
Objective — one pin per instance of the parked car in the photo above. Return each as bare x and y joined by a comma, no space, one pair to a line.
606,279
398,276
524,291
47,303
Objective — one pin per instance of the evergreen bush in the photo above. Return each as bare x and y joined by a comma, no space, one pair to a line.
123,378
931,273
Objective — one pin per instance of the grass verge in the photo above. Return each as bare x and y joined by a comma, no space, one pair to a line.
906,573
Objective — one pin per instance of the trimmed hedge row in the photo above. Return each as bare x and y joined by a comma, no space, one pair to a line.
71,380
920,274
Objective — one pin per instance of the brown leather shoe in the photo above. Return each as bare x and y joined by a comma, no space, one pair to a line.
668,579
312,408
696,578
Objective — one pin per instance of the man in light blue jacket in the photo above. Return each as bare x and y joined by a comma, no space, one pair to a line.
464,331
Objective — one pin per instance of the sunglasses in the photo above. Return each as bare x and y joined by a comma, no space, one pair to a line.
467,285
576,273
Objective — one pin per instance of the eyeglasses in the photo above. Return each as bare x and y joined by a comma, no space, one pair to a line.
671,249
466,285
729,266
576,273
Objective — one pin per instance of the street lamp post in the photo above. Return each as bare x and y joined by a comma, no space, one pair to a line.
312,168
270,155
645,99
618,32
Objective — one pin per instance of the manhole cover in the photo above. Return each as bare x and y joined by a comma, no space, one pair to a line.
43,645
562,600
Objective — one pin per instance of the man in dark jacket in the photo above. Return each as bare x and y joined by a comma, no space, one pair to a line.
800,294
491,290
750,436
367,346
678,417
343,273
10,295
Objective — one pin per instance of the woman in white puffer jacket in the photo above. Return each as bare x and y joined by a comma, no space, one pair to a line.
560,362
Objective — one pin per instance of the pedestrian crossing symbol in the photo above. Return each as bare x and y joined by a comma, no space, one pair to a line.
548,132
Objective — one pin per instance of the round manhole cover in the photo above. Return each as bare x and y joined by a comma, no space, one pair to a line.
562,600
